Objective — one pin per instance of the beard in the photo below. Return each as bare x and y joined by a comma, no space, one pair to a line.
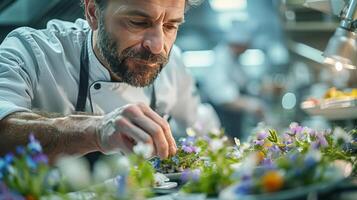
138,68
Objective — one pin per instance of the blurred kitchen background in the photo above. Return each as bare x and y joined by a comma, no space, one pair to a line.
279,67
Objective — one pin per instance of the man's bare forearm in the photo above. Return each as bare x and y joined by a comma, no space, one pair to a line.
74,134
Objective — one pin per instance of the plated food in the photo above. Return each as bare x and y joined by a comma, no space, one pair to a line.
335,105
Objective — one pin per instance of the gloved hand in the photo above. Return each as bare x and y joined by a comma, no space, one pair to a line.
123,128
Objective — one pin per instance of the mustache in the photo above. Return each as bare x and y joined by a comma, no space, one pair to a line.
144,54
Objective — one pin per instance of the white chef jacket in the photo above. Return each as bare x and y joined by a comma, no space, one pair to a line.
39,69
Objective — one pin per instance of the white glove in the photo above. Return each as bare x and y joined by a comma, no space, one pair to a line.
123,128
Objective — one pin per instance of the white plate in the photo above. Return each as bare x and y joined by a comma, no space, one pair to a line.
174,176
333,109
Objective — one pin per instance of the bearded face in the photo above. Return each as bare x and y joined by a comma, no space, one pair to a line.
134,38
137,67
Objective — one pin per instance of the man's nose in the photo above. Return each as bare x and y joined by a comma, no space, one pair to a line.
154,40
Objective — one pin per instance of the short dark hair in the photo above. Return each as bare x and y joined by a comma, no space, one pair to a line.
102,4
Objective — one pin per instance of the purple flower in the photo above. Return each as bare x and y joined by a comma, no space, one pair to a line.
275,149
312,133
40,158
295,128
262,135
6,194
190,175
187,149
320,141
258,142
287,139
268,163
196,173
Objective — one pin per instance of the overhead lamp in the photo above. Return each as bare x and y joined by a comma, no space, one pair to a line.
341,50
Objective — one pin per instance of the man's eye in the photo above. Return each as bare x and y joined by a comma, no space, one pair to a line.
171,27
139,23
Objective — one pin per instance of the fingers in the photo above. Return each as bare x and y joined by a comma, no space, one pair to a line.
164,125
157,134
143,124
124,125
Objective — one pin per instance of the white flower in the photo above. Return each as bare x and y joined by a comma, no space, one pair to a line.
123,165
76,171
293,125
101,171
245,146
215,132
247,165
216,144
340,134
237,141
144,150
190,132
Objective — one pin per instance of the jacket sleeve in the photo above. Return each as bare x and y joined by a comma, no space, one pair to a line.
16,69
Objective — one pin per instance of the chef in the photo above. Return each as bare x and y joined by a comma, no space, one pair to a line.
228,78
101,84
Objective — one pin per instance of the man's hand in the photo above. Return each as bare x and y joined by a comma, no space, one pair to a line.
123,128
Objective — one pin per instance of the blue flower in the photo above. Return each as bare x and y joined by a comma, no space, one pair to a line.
34,146
121,185
188,141
309,162
156,163
30,162
9,158
244,187
20,150
2,164
176,160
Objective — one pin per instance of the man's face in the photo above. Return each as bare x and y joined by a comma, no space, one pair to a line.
135,37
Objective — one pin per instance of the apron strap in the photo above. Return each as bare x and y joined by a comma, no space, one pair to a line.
153,98
83,78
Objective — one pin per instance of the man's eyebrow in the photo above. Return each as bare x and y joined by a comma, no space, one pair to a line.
137,13
180,20
140,13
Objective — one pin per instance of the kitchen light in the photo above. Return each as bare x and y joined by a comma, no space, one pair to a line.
341,50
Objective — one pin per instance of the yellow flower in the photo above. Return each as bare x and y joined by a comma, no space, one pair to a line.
268,144
260,156
272,181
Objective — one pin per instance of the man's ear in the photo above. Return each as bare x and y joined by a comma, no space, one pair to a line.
91,14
